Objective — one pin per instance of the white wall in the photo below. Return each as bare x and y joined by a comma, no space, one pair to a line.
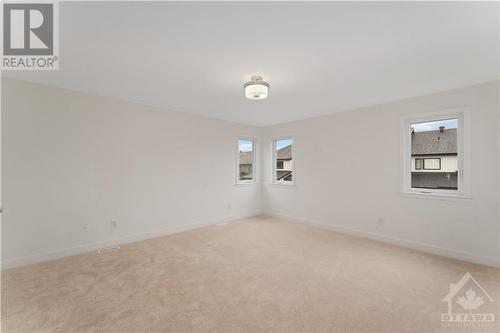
72,159
334,188
498,107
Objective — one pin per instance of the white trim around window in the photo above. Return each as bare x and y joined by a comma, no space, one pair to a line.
274,181
463,153
254,161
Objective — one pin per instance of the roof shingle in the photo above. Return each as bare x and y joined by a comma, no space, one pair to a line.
245,157
284,153
434,142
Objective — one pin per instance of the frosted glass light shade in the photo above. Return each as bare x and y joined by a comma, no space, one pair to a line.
256,88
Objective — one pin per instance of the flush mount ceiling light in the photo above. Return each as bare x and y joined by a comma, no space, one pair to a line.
257,88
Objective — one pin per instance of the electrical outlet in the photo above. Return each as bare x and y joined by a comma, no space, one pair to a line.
113,224
228,206
380,221
84,228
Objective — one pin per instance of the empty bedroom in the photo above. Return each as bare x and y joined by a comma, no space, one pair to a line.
179,166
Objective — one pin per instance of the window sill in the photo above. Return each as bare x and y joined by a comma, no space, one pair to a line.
245,184
282,184
435,196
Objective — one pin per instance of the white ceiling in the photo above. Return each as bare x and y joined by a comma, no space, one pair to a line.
318,57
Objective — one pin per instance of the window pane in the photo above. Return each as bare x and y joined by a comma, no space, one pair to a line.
432,163
434,154
418,164
245,167
284,161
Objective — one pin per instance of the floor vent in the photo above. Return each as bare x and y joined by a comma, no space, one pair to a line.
108,249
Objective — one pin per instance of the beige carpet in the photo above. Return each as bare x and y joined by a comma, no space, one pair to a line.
253,275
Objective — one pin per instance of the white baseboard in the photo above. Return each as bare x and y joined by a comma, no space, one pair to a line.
37,258
423,247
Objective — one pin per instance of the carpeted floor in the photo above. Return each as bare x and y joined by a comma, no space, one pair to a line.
253,275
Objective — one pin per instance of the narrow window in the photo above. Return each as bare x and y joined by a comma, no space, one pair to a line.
283,161
418,164
246,161
434,148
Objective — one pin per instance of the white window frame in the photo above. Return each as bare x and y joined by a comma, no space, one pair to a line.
274,181
254,161
463,153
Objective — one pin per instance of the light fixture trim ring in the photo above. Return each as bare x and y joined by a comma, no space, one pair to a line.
257,79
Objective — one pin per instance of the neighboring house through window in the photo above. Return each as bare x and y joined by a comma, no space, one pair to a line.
246,161
434,143
433,154
283,161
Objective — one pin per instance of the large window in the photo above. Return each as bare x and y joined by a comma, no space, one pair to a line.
283,161
246,161
434,154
